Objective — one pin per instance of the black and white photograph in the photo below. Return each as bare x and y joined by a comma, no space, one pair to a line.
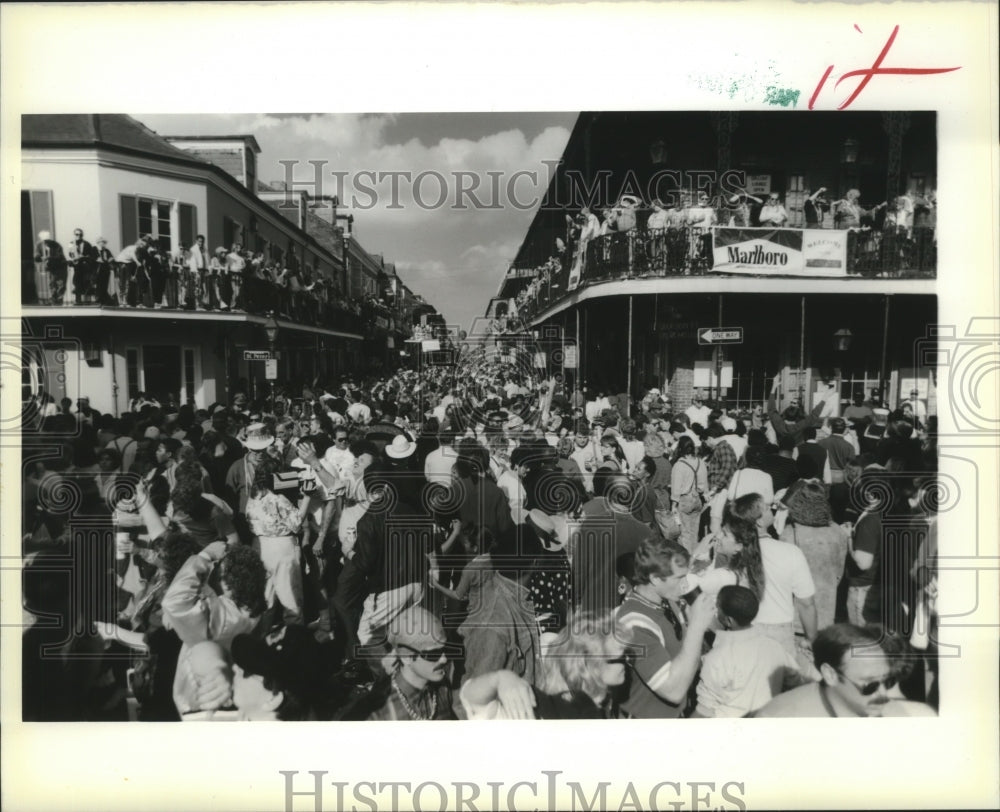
623,417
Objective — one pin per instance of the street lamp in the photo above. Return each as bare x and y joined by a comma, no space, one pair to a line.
271,328
842,339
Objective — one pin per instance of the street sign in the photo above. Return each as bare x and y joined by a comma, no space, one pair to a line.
720,335
256,355
271,369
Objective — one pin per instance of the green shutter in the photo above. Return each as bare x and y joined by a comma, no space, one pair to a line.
130,224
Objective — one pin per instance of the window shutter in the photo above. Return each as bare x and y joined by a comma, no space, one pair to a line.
42,214
130,224
188,223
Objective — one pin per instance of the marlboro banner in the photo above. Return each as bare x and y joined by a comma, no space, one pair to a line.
780,251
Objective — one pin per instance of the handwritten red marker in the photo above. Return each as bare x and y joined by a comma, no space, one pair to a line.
868,74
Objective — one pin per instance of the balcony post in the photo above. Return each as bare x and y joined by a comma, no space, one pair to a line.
885,347
579,350
628,383
802,357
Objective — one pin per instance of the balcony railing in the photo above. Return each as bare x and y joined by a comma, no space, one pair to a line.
662,253
259,298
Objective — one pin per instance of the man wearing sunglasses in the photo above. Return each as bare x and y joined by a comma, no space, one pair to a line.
857,678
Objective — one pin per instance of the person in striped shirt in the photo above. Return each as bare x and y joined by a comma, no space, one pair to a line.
667,639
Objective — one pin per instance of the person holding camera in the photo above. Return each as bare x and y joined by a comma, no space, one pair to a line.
275,523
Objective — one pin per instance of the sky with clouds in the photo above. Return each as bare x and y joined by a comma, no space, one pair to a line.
452,252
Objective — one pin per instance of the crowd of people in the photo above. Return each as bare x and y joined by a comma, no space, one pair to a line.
474,541
145,275
674,236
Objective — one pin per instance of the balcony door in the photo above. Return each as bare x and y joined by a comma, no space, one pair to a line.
160,370
794,198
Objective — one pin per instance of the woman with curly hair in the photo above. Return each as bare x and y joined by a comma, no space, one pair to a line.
579,671
197,612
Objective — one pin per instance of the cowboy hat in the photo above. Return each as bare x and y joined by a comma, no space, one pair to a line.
258,437
400,447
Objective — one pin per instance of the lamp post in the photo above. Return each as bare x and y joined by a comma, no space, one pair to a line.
843,339
271,328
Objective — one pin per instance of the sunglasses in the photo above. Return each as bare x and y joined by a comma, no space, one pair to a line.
868,688
340,440
431,655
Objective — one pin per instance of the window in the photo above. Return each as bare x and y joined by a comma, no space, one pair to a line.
154,219
162,370
144,215
794,200
232,232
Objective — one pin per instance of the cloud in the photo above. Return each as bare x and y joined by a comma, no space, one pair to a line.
433,246
497,254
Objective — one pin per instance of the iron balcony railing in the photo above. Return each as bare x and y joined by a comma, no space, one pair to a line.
677,252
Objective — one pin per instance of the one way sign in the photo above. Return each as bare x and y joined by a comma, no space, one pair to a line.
720,335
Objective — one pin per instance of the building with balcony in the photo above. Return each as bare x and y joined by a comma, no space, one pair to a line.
832,298
112,177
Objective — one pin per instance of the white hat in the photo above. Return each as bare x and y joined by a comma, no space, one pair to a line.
258,437
400,447
546,527
654,391
542,521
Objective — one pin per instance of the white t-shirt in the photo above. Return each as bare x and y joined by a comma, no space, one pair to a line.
512,488
340,461
634,451
744,670
786,576
698,414
737,443
359,412
580,456
438,465
752,480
